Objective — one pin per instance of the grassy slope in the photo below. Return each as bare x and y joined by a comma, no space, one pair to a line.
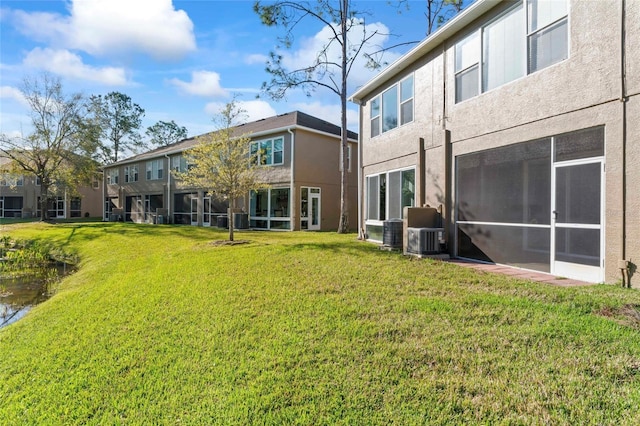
159,326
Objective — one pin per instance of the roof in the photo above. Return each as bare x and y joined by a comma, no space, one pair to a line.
291,120
435,40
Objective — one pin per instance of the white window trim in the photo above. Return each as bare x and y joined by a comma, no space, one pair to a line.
259,155
378,222
479,31
399,104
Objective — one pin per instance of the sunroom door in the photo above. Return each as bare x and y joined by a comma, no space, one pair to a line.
577,231
194,210
206,214
314,202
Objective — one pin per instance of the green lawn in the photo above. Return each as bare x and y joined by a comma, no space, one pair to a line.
159,326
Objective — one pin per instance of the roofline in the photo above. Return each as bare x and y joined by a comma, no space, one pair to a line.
474,11
250,135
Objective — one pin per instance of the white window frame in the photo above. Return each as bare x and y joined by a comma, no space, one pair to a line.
261,158
131,173
378,128
524,45
387,193
155,169
113,176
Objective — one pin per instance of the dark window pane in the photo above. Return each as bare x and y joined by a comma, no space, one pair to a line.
583,144
578,246
511,184
509,245
578,194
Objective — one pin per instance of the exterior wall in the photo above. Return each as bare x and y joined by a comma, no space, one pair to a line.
90,204
580,92
317,165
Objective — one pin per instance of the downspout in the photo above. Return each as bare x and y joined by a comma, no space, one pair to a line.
168,188
104,200
623,264
294,208
448,221
361,232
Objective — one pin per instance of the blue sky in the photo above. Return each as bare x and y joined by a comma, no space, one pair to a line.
179,60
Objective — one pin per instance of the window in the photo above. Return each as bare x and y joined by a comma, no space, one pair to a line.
508,48
389,193
503,56
269,209
375,116
267,152
75,210
406,100
467,67
393,107
131,173
154,169
180,164
112,176
548,38
11,180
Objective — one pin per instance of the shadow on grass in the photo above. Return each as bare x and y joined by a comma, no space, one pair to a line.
336,247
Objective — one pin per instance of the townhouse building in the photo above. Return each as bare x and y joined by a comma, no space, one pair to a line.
519,120
298,157
20,198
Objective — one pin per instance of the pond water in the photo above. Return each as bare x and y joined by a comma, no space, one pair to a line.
19,295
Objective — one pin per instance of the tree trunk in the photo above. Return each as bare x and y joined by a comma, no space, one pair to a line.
230,221
44,201
343,225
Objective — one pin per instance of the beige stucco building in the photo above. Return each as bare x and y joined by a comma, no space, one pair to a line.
299,160
20,198
520,122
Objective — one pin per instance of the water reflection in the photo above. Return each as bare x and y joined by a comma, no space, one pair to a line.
19,294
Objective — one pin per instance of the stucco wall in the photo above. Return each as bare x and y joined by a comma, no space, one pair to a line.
580,92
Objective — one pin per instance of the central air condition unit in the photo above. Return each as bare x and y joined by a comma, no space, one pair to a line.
392,233
424,240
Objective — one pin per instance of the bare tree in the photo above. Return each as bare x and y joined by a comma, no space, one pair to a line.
222,162
57,152
326,71
437,11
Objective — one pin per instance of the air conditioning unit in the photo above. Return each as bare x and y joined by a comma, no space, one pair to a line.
424,240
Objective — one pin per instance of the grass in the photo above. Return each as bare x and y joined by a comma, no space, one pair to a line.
159,326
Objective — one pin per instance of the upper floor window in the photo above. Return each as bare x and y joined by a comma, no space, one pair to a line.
131,173
394,107
154,169
267,152
112,176
548,39
11,180
504,50
179,163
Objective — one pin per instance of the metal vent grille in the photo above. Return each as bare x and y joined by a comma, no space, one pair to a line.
423,240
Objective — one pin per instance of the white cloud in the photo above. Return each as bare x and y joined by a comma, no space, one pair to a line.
115,28
8,92
203,83
68,64
254,110
256,58
330,113
308,50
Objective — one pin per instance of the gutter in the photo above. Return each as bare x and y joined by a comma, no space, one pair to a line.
623,264
168,188
292,195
